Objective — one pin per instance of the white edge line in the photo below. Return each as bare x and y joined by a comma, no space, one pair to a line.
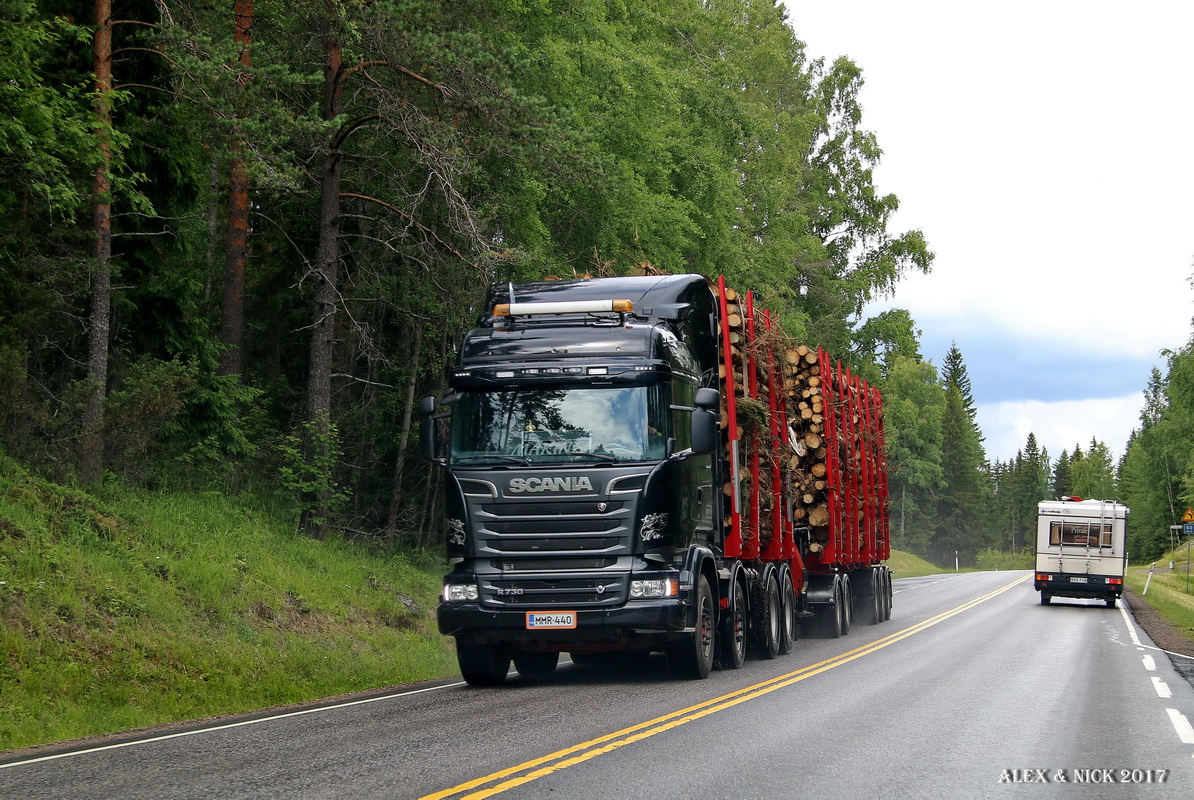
1136,639
1131,628
1181,725
227,726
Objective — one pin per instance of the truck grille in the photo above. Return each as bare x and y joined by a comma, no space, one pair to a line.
550,509
586,592
546,564
540,544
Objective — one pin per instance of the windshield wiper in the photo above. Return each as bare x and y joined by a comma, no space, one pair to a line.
486,459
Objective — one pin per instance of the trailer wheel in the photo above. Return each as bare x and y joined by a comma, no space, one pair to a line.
691,656
731,634
845,605
536,666
482,664
831,618
1045,597
887,594
766,619
787,601
877,592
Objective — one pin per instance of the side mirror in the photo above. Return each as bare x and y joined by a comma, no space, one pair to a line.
428,440
708,399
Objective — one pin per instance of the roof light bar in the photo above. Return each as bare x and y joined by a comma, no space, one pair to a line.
571,307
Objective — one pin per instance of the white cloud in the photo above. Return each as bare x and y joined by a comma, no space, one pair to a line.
1059,425
1043,149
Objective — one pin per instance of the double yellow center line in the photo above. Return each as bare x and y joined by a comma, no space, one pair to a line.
534,769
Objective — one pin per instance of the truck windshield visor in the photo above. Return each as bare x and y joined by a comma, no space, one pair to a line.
538,425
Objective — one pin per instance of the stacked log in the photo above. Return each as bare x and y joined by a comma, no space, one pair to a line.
750,416
816,446
804,387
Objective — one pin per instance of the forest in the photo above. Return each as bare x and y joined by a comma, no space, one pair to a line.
238,240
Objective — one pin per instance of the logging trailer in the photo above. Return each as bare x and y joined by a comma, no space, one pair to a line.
645,464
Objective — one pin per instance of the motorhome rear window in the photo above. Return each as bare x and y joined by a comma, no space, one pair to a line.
1079,534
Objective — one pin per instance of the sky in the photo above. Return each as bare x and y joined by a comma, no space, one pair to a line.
1046,150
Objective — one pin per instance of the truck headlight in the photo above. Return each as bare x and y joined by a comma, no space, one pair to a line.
460,592
663,587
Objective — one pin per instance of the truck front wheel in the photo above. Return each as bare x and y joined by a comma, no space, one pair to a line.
482,664
691,656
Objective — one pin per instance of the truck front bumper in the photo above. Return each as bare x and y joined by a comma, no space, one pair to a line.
643,620
1060,584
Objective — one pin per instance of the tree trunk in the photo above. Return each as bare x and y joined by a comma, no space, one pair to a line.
327,265
404,433
91,462
232,329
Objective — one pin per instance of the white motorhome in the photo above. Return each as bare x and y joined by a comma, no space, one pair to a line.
1081,549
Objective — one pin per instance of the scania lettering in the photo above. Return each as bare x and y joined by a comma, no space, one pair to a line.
646,464
570,484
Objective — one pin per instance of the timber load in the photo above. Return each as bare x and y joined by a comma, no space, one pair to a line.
806,476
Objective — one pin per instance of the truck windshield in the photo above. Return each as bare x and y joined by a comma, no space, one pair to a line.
537,425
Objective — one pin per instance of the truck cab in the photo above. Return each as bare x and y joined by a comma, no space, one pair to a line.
580,482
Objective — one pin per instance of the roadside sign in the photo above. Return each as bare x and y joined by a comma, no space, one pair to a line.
1188,529
1188,516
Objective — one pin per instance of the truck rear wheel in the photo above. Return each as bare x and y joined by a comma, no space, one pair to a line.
766,620
871,605
787,600
482,664
1045,597
691,656
844,604
536,666
1110,602
887,594
731,634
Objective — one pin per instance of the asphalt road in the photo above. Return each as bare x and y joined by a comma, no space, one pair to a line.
972,689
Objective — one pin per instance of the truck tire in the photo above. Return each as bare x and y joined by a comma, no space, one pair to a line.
871,605
845,605
766,619
482,664
788,629
1045,597
691,656
536,666
731,633
887,594
831,617
1110,602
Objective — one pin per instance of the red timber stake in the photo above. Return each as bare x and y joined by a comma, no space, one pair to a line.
833,471
883,526
849,544
733,542
750,545
777,548
868,474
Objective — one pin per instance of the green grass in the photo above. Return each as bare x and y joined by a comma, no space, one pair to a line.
906,565
132,609
1167,590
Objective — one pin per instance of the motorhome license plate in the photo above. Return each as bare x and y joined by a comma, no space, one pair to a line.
1077,580
556,619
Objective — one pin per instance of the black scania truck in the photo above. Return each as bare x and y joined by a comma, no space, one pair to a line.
585,510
